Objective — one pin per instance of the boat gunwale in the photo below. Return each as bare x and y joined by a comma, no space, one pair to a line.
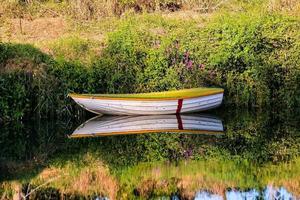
79,135
93,96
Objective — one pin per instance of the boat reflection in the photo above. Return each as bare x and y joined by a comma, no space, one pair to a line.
123,125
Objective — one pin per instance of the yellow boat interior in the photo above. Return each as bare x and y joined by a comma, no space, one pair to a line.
175,94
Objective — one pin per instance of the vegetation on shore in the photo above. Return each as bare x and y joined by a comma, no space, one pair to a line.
252,52
99,9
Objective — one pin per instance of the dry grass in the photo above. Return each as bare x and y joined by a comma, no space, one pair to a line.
91,9
93,178
189,184
203,6
96,180
12,190
100,9
187,15
151,186
292,185
36,30
71,179
49,173
186,185
41,22
292,6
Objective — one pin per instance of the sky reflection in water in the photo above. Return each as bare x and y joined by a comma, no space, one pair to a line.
269,193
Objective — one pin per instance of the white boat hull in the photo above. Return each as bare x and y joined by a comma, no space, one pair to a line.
114,125
149,107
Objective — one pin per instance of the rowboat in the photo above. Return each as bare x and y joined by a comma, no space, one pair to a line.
120,125
155,103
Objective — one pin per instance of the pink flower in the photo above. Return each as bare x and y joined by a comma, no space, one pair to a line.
201,66
186,56
189,64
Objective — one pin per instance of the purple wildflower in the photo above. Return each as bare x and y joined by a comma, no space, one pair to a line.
186,56
188,153
201,66
189,64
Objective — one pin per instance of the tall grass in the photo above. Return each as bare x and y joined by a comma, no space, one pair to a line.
99,9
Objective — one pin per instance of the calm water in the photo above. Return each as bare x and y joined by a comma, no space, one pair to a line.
225,154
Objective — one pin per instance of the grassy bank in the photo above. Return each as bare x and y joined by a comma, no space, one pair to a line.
99,9
253,55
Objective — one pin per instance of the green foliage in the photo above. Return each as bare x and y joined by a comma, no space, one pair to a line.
246,50
253,56
74,49
13,95
290,91
242,53
22,80
140,59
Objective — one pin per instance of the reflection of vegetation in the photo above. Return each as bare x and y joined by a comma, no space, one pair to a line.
90,177
262,137
154,163
214,175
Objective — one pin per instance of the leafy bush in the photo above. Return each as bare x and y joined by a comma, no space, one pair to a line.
22,78
254,57
141,59
240,53
74,48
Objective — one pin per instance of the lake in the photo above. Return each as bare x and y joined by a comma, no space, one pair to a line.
222,154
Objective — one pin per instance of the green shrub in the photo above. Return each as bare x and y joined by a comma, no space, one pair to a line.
140,59
238,52
254,57
74,49
246,50
22,78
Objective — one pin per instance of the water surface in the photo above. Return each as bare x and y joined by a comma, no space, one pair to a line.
224,154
